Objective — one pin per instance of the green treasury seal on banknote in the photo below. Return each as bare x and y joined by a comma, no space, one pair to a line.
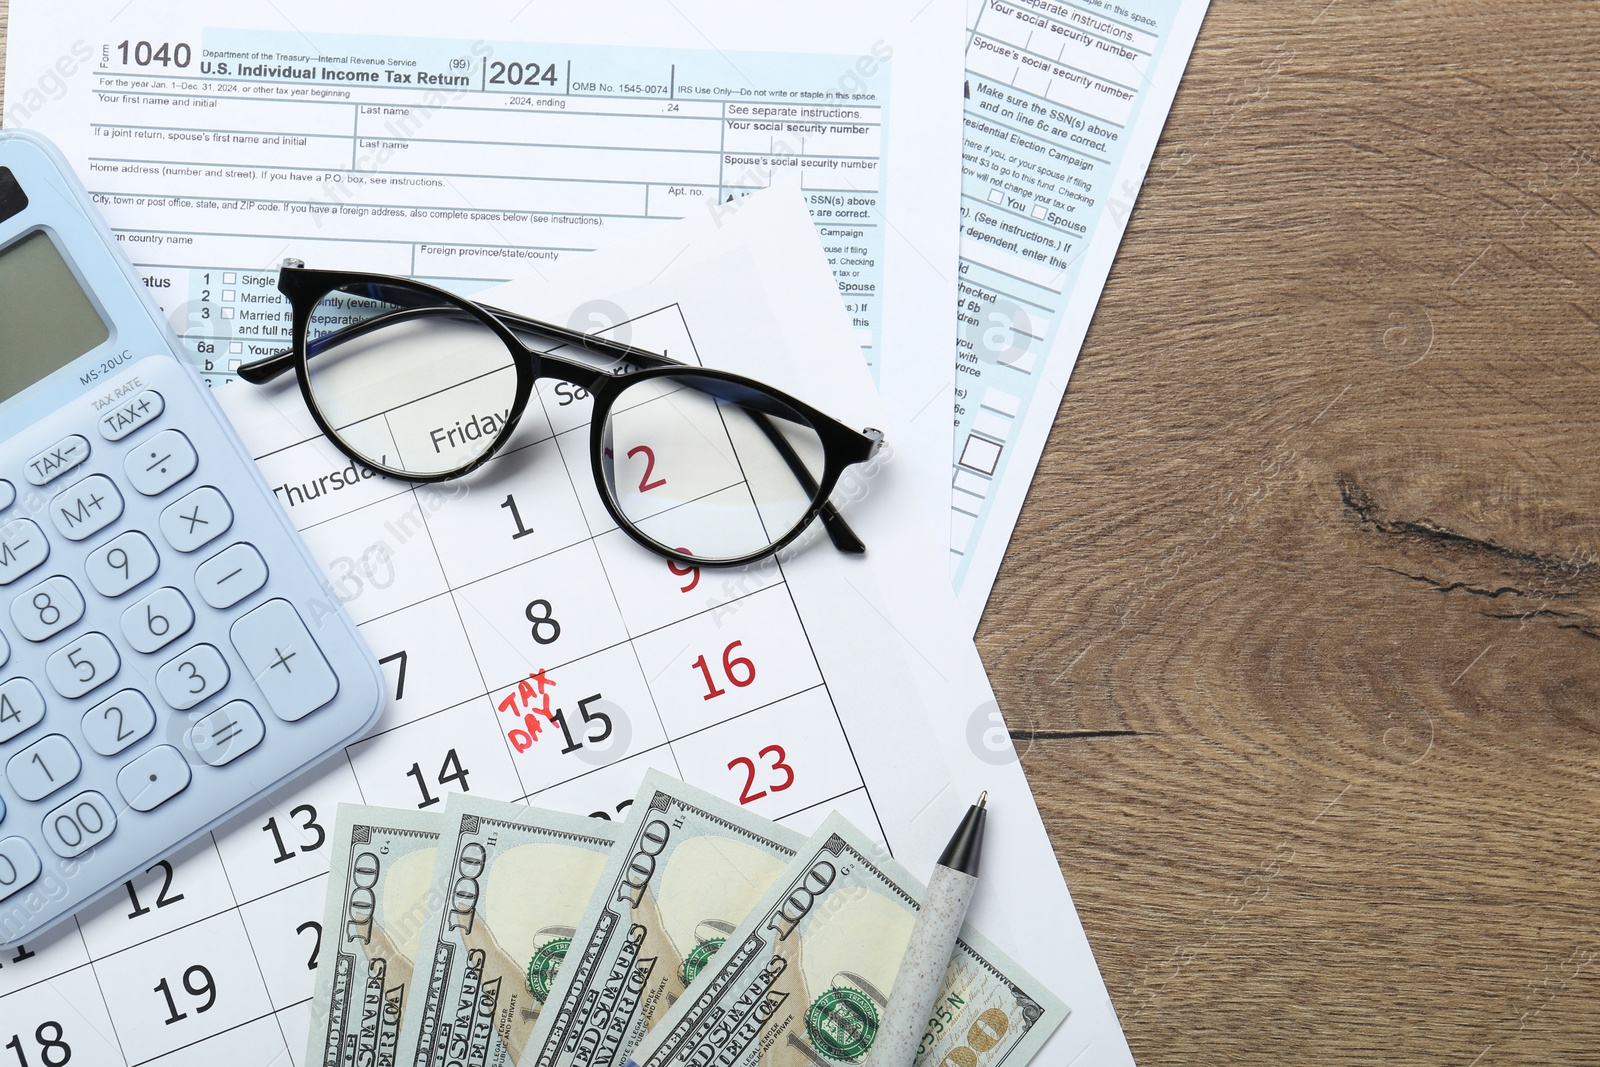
687,869
804,979
380,870
505,896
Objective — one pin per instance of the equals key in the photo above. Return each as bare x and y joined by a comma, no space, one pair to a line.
161,463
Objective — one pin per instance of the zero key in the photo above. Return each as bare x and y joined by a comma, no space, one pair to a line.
19,866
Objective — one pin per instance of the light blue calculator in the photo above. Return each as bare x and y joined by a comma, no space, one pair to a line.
168,650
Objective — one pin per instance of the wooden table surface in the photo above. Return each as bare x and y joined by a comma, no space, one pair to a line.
1298,631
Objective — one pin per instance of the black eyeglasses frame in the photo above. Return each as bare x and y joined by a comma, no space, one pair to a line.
621,367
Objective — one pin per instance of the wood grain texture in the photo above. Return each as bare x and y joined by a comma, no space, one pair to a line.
1298,630
1318,537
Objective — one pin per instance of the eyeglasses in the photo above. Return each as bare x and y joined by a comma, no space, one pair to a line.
701,466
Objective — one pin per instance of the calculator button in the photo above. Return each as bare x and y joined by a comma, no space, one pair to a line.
21,707
121,563
161,463
193,520
58,459
286,663
79,824
87,663
230,576
8,494
129,415
158,620
154,778
118,721
19,866
227,733
5,650
47,609
86,508
43,767
192,676
22,548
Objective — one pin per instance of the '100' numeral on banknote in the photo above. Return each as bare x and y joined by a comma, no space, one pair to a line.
687,869
804,980
380,872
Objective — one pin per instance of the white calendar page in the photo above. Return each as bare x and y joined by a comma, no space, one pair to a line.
762,684
865,687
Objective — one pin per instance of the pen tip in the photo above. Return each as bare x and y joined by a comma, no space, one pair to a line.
983,799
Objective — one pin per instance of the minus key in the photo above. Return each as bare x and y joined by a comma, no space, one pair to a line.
230,575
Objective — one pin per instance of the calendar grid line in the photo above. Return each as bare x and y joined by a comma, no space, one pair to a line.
488,693
130,946
862,788
255,957
834,704
353,776
103,1003
202,1040
477,664
617,603
408,485
683,737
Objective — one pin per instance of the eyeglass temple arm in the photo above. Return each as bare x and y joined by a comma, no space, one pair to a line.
839,532
263,370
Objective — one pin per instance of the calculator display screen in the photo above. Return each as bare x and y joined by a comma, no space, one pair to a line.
46,319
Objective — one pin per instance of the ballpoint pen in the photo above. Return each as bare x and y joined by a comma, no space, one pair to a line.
933,940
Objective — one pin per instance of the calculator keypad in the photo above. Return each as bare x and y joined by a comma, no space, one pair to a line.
22,548
58,459
48,764
129,415
79,824
122,719
154,778
46,609
191,676
158,620
19,865
21,707
121,563
85,664
196,519
230,575
284,660
161,463
227,733
143,585
87,507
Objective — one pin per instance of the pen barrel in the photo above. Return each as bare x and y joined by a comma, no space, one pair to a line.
922,971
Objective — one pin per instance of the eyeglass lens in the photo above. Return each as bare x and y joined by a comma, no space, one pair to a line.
413,382
709,467
406,380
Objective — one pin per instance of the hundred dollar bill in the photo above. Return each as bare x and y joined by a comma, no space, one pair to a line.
687,869
804,979
507,890
381,868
